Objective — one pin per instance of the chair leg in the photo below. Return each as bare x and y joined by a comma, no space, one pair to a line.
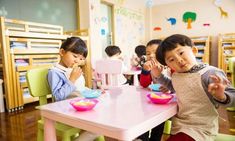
100,138
40,135
66,137
167,127
231,109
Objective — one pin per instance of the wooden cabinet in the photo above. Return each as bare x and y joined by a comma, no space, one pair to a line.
226,54
203,44
226,49
26,45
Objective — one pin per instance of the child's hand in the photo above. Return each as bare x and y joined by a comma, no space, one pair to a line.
75,74
217,88
164,89
149,65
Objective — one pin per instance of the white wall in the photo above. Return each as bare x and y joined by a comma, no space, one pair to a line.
207,12
128,32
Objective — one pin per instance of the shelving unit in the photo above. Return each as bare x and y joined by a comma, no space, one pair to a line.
226,51
203,44
26,45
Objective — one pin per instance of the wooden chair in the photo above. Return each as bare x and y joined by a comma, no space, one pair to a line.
231,72
225,137
38,87
109,71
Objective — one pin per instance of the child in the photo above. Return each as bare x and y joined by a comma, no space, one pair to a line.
114,52
138,59
199,89
145,81
65,78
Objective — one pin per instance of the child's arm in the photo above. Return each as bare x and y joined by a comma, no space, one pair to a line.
60,86
219,87
145,78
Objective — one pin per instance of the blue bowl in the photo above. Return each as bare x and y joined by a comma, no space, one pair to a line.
155,87
89,93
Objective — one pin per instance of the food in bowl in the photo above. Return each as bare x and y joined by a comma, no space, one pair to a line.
159,98
84,104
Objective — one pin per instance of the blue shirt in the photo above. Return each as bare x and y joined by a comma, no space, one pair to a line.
61,87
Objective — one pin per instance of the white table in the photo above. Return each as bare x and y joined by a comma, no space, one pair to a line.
122,113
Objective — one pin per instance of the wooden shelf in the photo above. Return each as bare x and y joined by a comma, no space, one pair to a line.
27,45
203,44
226,49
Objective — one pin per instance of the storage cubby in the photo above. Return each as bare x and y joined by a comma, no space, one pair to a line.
27,45
226,52
203,44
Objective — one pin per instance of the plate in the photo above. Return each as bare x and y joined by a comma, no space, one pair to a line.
84,104
89,93
159,97
155,87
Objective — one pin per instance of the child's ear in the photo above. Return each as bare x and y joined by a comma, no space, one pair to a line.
195,50
62,52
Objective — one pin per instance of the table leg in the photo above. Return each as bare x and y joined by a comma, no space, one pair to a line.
49,130
136,81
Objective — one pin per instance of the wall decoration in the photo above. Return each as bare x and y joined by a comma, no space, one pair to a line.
130,30
172,20
149,3
104,19
206,24
223,14
189,17
218,4
157,28
92,6
102,31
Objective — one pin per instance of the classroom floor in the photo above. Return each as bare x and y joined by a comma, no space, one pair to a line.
21,125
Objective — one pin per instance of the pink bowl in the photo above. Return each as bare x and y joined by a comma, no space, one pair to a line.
160,98
84,104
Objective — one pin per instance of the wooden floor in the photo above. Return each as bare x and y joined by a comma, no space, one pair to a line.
21,125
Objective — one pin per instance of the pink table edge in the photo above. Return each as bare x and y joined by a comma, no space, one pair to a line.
119,133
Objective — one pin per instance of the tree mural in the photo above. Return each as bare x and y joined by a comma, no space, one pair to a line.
189,17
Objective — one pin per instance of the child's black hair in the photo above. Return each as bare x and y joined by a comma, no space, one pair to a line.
112,50
154,42
171,43
75,45
140,50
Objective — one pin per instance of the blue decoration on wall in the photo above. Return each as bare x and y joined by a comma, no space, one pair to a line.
172,21
102,31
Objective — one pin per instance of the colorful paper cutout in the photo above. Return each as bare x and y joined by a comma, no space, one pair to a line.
189,17
149,3
172,21
206,24
223,14
102,31
218,4
157,28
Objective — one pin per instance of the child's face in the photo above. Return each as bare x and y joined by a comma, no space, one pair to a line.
151,52
181,59
68,59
